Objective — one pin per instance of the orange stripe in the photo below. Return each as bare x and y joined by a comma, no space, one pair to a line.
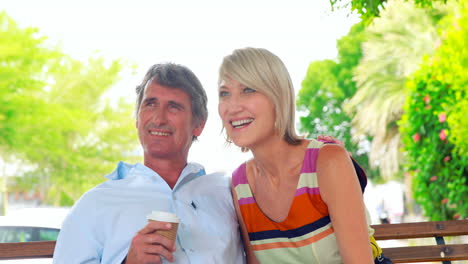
296,244
305,209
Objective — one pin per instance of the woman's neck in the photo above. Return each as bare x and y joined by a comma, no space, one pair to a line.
277,157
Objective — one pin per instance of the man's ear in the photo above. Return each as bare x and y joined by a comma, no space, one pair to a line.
198,129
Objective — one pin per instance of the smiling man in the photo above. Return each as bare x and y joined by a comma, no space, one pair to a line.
108,224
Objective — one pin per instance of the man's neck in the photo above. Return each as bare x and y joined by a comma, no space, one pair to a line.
169,170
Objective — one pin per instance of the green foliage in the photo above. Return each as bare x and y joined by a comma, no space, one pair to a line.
53,117
396,44
326,85
452,67
369,9
434,124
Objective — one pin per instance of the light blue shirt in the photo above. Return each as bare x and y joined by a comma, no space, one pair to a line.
102,223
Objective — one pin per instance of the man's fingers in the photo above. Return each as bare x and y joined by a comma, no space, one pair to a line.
159,250
330,139
150,247
160,240
152,226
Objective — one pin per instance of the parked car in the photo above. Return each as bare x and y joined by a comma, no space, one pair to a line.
31,224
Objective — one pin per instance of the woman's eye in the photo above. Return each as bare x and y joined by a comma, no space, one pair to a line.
223,93
249,90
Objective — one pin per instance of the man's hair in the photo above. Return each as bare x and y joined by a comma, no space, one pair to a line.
177,77
263,71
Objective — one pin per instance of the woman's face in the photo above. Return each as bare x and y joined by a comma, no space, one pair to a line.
248,115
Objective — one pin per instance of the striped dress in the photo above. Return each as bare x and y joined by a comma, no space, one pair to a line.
306,235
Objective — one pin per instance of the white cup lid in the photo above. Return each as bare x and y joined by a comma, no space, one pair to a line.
163,217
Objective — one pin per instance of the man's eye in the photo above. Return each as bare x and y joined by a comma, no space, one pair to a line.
249,90
223,93
174,108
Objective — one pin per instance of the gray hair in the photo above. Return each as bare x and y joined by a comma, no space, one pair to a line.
178,77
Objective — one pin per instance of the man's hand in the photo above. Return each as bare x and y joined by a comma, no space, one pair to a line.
148,247
333,140
330,139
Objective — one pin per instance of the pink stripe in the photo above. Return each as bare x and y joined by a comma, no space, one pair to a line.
239,176
310,161
247,200
312,191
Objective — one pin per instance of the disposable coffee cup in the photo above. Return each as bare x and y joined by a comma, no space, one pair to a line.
166,217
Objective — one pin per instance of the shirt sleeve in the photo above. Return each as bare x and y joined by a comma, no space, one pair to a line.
77,243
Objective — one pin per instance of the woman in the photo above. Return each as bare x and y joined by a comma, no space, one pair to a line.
298,200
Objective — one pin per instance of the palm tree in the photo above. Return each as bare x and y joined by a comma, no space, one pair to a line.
396,44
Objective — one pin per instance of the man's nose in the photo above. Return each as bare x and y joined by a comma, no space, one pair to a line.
160,116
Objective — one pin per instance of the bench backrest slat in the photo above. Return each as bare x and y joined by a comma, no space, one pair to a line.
421,229
42,249
427,253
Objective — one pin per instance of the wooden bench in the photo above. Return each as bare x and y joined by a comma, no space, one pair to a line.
25,250
438,230
408,254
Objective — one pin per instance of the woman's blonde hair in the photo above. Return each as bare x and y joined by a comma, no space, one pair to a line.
263,71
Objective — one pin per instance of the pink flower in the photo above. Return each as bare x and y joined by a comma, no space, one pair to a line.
456,217
433,178
427,99
442,134
442,117
447,158
416,137
428,107
444,201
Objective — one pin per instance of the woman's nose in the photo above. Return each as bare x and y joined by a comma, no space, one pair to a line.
235,103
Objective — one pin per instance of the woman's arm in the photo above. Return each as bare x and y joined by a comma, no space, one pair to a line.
251,259
340,190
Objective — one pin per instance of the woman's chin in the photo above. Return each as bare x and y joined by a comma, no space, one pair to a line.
239,143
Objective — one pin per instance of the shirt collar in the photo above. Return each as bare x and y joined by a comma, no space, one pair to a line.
124,170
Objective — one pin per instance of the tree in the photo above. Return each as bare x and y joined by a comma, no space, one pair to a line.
53,117
434,125
369,9
327,84
396,44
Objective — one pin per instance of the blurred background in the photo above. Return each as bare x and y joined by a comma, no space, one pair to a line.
389,78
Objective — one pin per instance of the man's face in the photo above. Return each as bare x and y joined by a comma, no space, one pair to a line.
165,123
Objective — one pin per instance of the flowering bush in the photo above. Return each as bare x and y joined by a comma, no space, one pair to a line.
434,126
439,172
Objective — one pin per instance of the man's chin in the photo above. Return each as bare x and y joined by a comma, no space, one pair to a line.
164,154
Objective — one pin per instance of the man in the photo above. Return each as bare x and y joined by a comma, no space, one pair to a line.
108,224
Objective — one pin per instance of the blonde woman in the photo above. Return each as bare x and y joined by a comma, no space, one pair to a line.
297,200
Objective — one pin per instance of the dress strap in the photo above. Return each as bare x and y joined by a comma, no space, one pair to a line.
239,176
